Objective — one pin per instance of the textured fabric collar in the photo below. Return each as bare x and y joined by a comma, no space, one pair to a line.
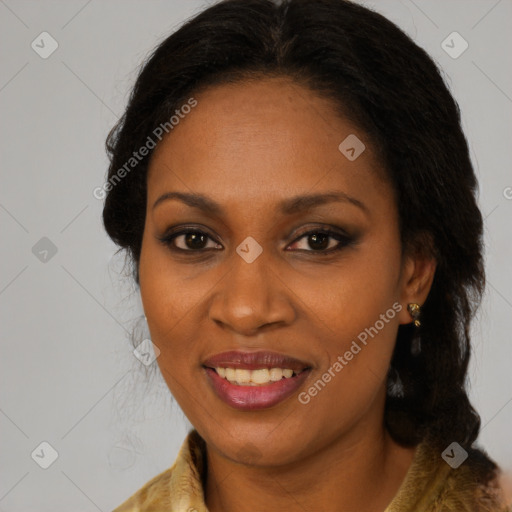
430,485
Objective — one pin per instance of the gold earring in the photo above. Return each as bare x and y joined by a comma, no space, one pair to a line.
414,310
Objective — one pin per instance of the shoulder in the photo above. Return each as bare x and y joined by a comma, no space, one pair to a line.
176,488
450,480
505,484
473,487
152,493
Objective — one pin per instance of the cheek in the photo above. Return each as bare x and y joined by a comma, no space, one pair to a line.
357,360
360,305
173,296
166,305
165,297
353,294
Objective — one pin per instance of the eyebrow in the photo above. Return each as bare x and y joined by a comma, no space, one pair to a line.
288,206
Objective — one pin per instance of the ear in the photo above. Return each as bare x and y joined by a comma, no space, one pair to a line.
418,270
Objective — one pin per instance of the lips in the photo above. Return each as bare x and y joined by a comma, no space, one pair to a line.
263,396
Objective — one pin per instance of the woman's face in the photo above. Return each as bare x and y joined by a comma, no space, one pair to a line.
255,285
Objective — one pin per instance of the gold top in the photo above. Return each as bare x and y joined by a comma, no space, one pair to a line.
430,485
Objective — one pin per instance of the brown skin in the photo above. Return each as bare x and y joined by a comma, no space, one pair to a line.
248,146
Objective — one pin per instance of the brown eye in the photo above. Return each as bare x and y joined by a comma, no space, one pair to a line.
323,241
188,241
318,241
195,241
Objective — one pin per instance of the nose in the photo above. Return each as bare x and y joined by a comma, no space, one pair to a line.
251,298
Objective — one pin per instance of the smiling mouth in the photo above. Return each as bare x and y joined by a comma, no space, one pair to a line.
254,380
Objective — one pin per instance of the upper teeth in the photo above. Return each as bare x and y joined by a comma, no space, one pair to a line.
253,377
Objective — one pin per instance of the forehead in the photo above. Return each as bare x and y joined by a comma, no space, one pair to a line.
259,140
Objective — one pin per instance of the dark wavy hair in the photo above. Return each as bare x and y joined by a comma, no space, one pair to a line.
377,77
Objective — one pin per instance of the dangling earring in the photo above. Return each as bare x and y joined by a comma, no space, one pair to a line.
414,310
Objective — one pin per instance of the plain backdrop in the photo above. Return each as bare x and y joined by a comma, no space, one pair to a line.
68,374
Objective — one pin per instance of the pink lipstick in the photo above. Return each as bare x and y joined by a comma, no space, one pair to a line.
254,380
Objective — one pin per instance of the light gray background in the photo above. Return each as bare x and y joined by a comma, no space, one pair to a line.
68,376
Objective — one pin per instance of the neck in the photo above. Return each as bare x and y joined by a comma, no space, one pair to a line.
357,471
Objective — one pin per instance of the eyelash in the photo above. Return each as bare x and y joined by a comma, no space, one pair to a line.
343,240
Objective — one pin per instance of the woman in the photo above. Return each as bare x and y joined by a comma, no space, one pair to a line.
294,188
